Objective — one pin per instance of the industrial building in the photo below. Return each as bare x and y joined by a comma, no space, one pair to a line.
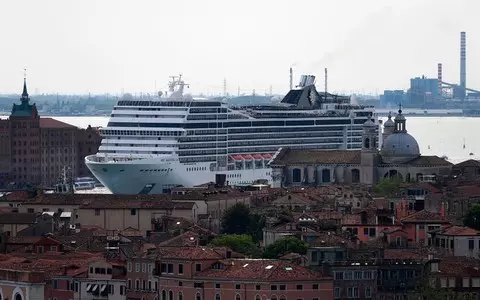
435,92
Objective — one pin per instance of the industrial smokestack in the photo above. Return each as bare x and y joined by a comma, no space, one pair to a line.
326,80
463,59
291,78
439,76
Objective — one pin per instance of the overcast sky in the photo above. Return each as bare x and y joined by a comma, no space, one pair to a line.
109,45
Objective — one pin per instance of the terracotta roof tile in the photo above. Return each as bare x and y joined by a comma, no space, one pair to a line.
424,216
459,231
260,270
429,161
111,201
289,156
51,264
52,123
472,191
18,218
186,239
468,163
329,239
189,253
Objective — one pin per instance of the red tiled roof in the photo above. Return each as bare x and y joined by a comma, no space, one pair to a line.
53,264
352,220
329,239
424,216
18,218
289,156
52,123
468,163
267,155
236,157
186,239
469,190
188,253
247,156
257,156
459,231
260,270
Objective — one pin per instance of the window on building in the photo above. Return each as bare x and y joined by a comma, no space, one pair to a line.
156,285
299,287
198,297
149,285
357,275
314,286
368,292
217,296
180,296
237,286
198,267
338,275
337,293
55,284
273,287
471,244
97,211
282,287
314,255
30,210
237,297
466,282
137,284
129,284
180,268
348,275
129,266
170,268
365,231
170,295
39,249
258,287
133,212
163,268
164,295
137,267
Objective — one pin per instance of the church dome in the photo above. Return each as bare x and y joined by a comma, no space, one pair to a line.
389,121
400,147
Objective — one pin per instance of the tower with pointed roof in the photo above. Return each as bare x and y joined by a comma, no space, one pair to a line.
24,109
369,152
25,140
388,127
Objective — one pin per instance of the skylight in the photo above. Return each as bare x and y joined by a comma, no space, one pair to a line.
268,267
288,268
245,265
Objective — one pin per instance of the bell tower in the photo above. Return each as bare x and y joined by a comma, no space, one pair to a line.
369,152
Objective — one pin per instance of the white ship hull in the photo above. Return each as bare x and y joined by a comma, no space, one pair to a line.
152,176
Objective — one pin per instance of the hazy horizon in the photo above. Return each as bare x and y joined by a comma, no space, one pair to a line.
108,46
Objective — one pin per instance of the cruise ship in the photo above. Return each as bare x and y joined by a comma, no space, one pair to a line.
152,145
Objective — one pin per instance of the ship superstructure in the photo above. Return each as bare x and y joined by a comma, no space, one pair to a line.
150,146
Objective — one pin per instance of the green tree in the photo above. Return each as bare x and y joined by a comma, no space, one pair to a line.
240,243
427,292
239,220
388,187
236,219
285,246
472,219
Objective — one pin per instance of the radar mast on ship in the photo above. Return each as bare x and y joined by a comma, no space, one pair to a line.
174,83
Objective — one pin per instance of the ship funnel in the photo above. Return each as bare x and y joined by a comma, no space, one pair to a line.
306,80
